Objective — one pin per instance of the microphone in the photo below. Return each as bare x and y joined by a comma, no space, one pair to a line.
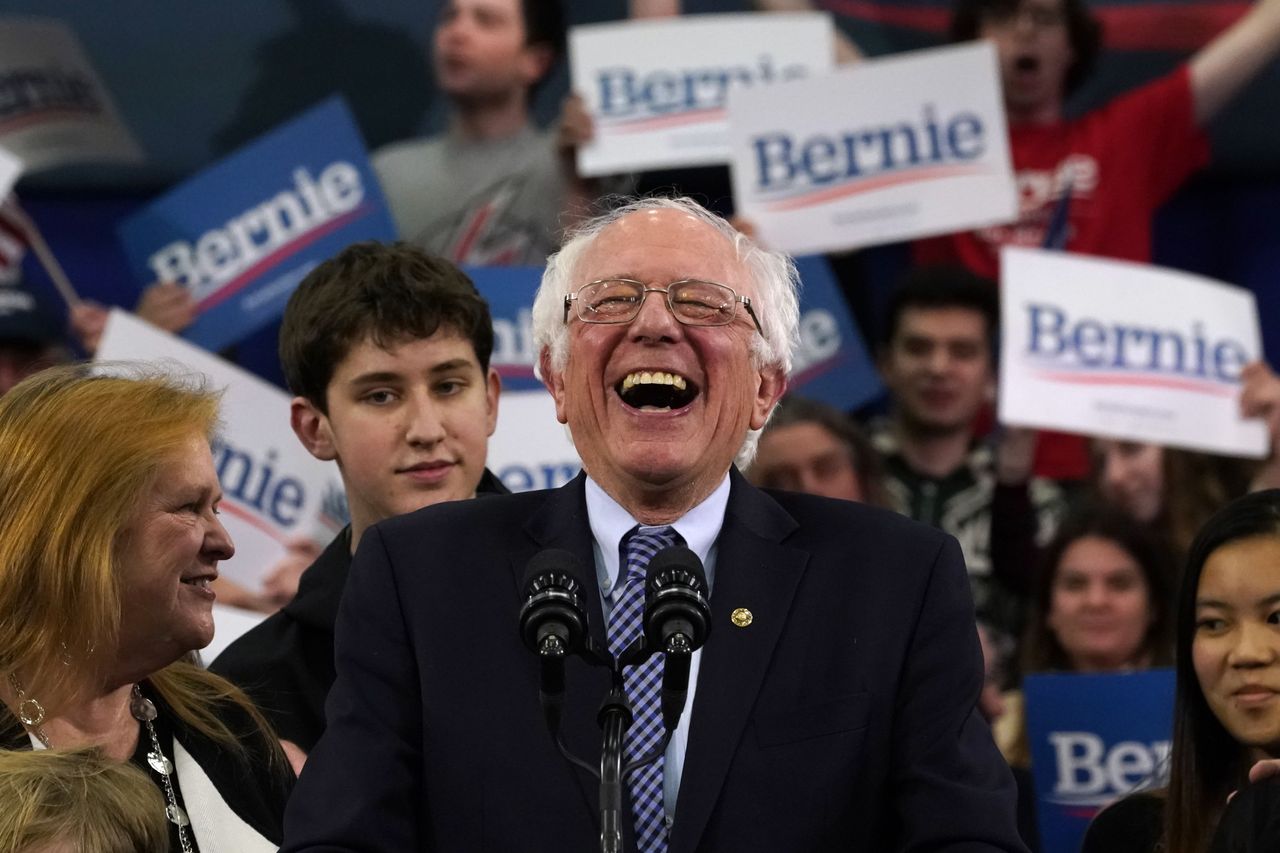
553,621
677,620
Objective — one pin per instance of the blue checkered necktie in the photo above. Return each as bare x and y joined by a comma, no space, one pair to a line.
643,685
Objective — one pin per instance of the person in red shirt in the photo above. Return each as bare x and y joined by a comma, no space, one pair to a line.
1091,184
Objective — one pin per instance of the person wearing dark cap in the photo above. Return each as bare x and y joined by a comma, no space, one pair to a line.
30,336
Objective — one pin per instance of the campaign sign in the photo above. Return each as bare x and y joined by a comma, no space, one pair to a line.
54,109
656,89
243,233
831,363
509,292
1094,739
10,170
530,449
1127,351
887,150
273,489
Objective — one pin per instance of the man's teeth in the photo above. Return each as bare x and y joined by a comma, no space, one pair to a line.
655,378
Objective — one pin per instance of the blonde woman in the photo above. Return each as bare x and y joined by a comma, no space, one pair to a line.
53,801
109,538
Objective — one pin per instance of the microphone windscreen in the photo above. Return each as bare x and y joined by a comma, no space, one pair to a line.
684,561
553,560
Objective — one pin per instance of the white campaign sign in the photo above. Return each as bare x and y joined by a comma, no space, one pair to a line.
54,109
886,150
10,171
1123,350
273,489
656,89
530,449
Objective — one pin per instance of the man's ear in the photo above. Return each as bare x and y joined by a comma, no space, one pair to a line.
312,428
493,389
536,62
773,384
554,380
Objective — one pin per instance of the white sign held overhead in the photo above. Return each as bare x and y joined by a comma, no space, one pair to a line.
273,490
54,109
1123,350
656,89
10,171
530,449
882,151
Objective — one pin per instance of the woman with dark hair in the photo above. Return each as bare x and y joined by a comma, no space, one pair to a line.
1227,712
1101,604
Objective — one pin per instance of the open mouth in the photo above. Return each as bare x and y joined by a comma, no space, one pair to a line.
656,391
202,581
1026,64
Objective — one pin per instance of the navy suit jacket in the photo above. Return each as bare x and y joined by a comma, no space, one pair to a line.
842,718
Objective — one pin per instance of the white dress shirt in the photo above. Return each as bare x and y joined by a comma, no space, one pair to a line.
699,527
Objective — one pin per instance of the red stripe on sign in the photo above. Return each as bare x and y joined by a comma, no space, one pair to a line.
250,517
639,125
51,114
247,277
869,184
1178,27
1194,385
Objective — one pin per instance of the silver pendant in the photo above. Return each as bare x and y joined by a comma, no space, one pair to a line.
159,763
141,707
176,815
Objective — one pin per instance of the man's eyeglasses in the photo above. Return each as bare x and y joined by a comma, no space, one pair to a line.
692,302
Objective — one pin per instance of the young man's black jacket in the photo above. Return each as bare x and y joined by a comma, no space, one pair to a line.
285,663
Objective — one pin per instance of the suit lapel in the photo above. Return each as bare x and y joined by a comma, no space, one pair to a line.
752,571
561,522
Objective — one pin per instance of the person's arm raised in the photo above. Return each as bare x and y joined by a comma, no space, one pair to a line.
1222,67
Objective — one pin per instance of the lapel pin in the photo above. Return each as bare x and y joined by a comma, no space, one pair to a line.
741,617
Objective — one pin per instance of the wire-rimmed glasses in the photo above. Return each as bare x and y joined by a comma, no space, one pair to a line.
692,302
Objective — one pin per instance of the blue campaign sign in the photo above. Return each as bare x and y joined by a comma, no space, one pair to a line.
242,233
509,292
831,363
1094,739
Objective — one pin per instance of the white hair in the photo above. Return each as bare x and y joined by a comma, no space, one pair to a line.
775,299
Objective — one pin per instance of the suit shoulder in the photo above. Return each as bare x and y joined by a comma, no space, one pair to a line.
458,518
823,516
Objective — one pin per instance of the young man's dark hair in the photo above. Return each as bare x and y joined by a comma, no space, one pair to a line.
1083,30
943,287
384,293
544,24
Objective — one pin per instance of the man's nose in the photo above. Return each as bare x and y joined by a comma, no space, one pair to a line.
424,422
655,319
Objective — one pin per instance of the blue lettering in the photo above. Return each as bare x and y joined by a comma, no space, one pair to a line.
1091,343
1228,358
255,485
964,137
773,152
287,496
617,84
818,159
516,478
1037,328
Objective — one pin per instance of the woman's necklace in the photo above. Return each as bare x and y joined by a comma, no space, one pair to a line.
32,715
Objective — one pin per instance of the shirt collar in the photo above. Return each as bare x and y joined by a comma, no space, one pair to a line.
610,522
